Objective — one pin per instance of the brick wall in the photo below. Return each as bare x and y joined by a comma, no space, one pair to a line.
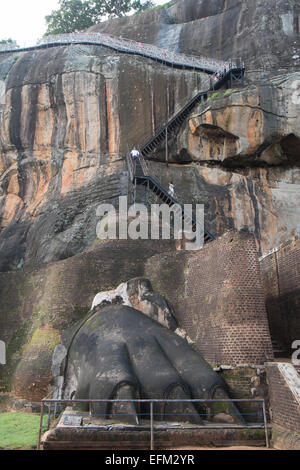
247,383
218,298
281,282
285,410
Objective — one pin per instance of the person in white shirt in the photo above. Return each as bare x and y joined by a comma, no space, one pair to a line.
134,153
171,189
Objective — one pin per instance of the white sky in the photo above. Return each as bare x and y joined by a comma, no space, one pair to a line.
24,20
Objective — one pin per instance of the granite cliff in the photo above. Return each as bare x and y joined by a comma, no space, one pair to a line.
264,33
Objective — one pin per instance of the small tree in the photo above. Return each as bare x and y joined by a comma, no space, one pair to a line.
77,15
9,42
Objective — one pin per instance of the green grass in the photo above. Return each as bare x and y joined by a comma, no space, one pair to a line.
19,430
214,95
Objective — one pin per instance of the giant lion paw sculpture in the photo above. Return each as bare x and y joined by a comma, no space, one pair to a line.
121,352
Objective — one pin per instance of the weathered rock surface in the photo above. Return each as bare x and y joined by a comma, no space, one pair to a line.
248,126
67,116
239,155
265,34
138,294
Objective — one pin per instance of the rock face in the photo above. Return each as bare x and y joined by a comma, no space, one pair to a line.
68,115
264,34
248,126
239,154
138,293
40,305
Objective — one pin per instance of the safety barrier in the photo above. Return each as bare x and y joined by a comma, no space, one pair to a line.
59,403
129,46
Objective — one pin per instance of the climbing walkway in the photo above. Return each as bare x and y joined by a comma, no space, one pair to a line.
126,46
139,172
208,85
142,177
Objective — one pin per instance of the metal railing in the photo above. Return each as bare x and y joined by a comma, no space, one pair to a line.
130,164
151,402
143,164
126,45
206,86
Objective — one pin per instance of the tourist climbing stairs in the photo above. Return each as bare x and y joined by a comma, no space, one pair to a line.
142,177
138,169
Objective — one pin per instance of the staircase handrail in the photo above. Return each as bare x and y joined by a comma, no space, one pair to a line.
130,164
126,45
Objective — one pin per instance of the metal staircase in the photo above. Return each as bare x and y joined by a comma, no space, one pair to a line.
232,75
138,169
228,73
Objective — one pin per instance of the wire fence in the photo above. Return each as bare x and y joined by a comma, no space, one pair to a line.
126,45
148,413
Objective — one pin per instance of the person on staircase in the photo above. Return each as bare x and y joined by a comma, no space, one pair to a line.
134,155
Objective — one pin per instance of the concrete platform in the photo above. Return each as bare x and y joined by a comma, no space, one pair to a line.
99,433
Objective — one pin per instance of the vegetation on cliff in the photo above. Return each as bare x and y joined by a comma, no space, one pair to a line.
76,15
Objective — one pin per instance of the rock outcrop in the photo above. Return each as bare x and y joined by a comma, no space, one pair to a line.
264,34
67,115
247,127
239,155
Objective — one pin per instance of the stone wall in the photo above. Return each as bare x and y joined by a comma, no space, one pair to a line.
285,410
281,281
247,383
218,298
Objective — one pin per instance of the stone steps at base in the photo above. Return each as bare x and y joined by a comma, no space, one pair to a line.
85,439
123,445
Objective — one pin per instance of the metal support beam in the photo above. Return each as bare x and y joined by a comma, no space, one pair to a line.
134,191
167,149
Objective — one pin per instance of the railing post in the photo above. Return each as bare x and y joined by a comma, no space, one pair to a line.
266,424
41,425
134,191
49,416
151,424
